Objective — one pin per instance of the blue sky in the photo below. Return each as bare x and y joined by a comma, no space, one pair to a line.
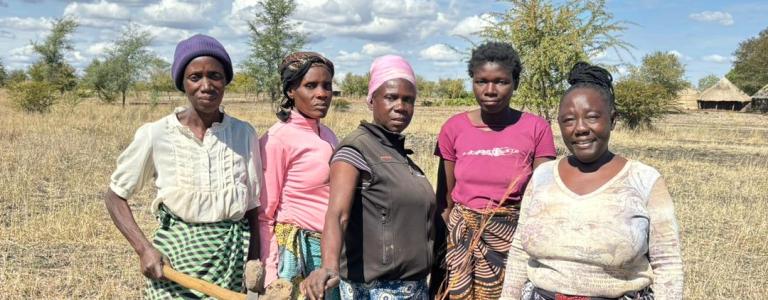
352,32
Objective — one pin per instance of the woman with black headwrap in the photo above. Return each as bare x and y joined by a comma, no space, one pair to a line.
295,154
594,225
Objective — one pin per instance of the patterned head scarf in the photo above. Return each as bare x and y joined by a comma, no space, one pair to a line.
297,64
292,71
388,67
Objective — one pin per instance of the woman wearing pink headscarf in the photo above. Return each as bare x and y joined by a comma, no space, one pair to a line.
378,194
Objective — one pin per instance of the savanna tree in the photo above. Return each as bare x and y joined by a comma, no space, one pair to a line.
355,85
749,68
707,82
3,74
52,67
550,38
664,69
649,92
245,84
272,37
451,88
126,62
99,78
426,88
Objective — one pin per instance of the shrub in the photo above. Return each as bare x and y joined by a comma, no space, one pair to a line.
32,96
341,104
468,100
641,103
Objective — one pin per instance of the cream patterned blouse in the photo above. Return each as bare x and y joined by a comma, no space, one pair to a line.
620,238
205,181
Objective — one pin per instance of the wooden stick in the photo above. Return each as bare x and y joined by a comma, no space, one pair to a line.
199,285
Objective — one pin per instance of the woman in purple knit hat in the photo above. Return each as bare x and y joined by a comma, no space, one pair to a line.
206,167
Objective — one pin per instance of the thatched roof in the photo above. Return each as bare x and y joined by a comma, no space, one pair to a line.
724,90
686,99
762,93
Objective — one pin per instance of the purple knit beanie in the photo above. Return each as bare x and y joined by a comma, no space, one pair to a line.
198,45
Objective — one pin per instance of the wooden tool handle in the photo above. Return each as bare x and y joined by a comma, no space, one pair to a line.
199,285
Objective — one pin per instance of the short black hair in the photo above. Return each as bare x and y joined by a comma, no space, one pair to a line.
584,75
497,52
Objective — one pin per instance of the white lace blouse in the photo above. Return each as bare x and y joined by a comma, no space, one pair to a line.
205,181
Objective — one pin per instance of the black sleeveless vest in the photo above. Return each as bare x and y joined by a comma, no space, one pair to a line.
389,235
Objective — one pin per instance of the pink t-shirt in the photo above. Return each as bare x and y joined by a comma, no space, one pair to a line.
487,162
295,159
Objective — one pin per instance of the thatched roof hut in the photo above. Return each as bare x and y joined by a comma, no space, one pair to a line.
760,100
686,99
723,95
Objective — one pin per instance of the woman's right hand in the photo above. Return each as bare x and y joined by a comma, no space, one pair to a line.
320,280
151,262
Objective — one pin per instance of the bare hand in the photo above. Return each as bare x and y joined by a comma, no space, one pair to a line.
151,262
320,280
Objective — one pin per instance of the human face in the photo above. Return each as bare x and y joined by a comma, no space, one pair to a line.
312,97
204,82
493,87
586,122
392,104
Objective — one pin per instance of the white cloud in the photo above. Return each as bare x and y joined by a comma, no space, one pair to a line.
440,52
448,63
405,8
29,24
379,28
471,25
430,27
346,57
377,49
170,36
721,17
680,55
378,20
715,58
7,34
334,12
178,14
100,10
97,49
21,56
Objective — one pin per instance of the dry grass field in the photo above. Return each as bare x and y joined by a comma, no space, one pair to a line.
57,241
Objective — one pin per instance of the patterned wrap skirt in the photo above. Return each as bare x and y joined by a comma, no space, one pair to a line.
214,252
477,271
299,255
385,290
531,292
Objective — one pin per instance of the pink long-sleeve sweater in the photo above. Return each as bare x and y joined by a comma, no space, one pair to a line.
295,156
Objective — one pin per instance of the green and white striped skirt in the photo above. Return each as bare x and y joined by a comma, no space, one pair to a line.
214,252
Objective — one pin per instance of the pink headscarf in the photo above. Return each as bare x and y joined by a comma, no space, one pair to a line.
388,67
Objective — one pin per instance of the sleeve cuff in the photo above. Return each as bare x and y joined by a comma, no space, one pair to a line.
123,193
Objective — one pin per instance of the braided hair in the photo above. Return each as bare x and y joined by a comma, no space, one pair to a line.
292,71
584,75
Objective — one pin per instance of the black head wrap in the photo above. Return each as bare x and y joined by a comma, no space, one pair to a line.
292,71
590,76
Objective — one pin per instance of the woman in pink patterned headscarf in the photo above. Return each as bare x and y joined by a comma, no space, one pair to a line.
381,205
